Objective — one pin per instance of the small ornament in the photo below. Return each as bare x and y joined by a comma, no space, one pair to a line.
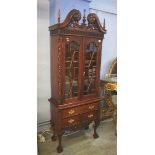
59,16
84,18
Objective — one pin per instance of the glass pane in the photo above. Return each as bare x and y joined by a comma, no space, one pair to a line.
90,69
72,68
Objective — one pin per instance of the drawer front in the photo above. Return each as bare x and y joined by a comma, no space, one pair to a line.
92,107
80,109
90,116
71,112
71,121
79,121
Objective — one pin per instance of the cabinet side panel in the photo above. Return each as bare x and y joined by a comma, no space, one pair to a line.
54,66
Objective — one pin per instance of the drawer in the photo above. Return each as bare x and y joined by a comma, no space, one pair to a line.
78,121
71,121
89,116
92,107
80,109
71,112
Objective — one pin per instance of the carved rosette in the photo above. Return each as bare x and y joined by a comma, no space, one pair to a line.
59,67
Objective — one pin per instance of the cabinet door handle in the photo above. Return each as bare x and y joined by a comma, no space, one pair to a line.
91,107
72,111
71,121
90,116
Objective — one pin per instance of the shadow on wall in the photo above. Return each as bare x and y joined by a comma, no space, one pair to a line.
43,61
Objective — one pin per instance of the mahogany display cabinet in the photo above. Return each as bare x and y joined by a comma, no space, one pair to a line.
75,58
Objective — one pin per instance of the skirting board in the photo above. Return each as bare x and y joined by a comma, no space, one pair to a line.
45,125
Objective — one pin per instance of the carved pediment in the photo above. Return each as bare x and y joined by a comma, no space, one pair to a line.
72,21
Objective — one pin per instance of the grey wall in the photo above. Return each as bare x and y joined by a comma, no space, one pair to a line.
65,6
43,67
107,9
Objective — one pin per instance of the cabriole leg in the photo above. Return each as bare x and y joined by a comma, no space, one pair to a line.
59,148
95,135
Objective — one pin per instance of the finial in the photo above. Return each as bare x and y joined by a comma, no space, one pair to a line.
84,18
84,12
59,16
104,23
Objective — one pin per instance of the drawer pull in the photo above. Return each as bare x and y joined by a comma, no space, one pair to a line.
91,107
71,121
90,116
71,111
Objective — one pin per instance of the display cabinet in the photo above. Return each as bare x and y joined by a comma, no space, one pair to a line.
75,58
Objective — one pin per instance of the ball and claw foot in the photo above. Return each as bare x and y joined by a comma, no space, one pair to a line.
95,136
59,149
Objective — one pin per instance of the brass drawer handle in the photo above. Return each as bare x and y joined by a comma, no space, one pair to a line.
91,107
90,116
71,121
72,111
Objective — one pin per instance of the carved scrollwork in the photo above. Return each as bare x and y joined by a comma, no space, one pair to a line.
94,23
77,32
73,18
59,66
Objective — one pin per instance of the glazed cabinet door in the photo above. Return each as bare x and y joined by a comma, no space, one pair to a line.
72,65
91,67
